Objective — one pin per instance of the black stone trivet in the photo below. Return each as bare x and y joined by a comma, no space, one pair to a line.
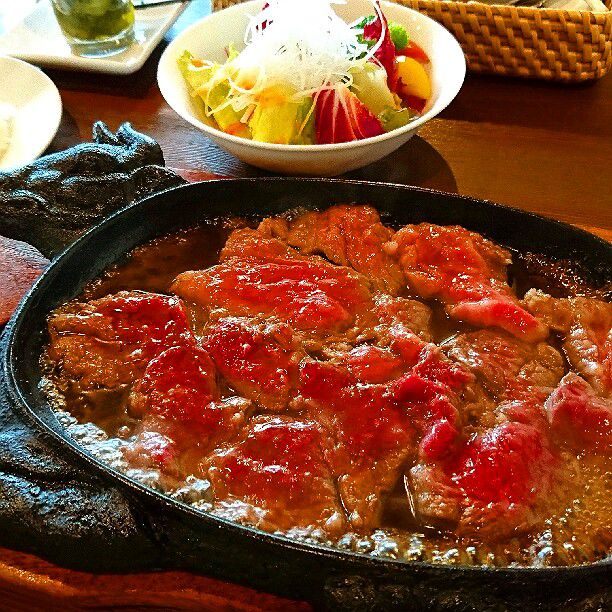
49,202
48,506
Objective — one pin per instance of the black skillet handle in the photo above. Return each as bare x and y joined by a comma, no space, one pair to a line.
49,202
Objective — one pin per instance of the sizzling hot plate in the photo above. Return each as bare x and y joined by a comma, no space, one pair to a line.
191,540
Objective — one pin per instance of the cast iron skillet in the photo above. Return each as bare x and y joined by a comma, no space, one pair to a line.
191,540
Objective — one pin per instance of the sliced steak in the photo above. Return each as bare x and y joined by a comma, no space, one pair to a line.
258,359
183,416
152,447
377,427
397,324
392,346
435,500
491,487
177,385
578,417
350,236
494,483
507,367
369,363
277,477
467,273
178,446
249,242
108,342
411,315
586,325
371,437
312,296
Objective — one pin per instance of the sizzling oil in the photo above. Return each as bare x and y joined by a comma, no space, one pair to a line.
578,529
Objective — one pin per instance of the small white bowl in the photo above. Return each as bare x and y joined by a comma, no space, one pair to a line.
208,39
38,110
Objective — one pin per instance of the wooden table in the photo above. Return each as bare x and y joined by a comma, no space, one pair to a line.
538,146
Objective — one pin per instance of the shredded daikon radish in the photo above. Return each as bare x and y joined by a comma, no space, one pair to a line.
302,46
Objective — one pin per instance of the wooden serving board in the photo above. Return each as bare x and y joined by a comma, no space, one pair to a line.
29,583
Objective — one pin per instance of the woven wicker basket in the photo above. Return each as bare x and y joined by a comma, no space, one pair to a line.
567,46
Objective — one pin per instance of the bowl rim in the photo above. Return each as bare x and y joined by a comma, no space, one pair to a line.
9,352
165,89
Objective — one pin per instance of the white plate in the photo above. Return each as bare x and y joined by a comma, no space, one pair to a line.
37,38
38,109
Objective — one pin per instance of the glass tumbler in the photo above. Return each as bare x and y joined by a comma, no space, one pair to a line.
96,28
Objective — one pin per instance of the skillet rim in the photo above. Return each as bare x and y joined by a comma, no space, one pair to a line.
63,441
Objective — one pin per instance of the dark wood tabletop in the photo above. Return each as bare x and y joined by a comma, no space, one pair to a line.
540,146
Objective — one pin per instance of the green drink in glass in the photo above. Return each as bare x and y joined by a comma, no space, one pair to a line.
96,28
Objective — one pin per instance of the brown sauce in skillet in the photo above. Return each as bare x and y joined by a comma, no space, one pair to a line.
577,530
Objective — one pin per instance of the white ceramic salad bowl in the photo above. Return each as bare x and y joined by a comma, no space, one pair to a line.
209,38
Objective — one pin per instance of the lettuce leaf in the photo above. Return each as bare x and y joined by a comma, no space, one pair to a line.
198,78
